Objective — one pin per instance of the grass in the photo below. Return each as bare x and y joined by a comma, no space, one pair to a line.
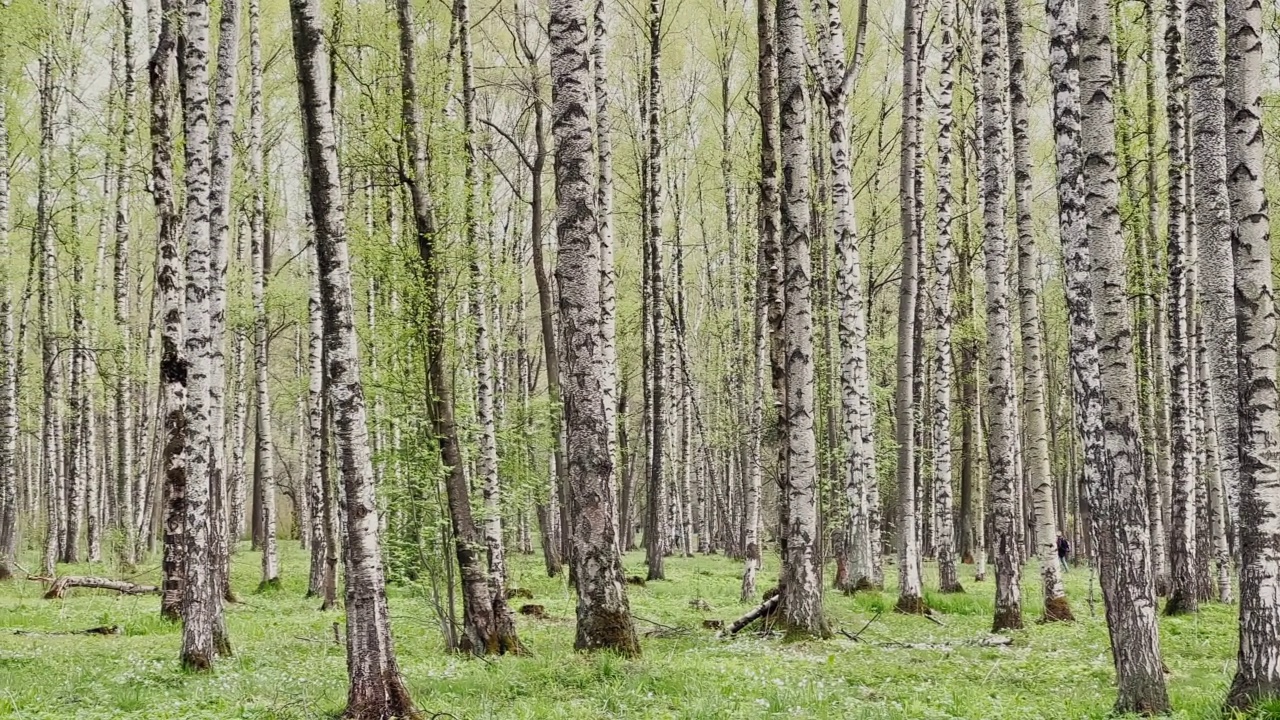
286,665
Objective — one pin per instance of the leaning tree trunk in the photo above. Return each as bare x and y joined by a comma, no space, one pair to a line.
910,584
1214,227
1258,661
944,259
1000,378
481,634
201,600
1036,448
801,581
173,369
604,616
376,689
1118,502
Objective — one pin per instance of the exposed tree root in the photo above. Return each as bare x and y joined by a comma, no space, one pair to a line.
1057,610
911,606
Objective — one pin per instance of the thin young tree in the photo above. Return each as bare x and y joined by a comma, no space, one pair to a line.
655,536
124,396
264,444
8,380
603,613
1118,502
375,690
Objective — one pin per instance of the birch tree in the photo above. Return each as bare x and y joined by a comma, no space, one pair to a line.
1119,499
603,613
375,689
1258,661
1000,378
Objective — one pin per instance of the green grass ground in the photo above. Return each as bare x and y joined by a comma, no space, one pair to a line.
286,665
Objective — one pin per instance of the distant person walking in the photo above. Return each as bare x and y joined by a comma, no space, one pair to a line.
1064,551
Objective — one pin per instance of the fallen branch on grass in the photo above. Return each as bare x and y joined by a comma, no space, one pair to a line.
102,630
765,609
59,588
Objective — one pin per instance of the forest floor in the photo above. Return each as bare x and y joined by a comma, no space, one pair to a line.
287,665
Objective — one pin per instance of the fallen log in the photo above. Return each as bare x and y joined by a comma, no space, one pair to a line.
58,589
764,609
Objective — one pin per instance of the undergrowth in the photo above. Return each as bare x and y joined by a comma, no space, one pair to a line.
287,666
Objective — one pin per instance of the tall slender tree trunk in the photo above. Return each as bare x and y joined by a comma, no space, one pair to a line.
801,581
173,366
375,689
1181,588
9,379
51,377
125,469
604,616
910,584
264,446
1119,500
221,167
1214,223
316,473
1258,661
201,599
1036,446
481,634
478,241
604,205
656,526
1001,383
944,259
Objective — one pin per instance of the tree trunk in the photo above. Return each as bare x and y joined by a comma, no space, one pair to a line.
604,205
221,168
480,632
173,366
1001,383
910,585
264,446
51,378
1258,661
1036,448
376,690
1119,503
478,240
604,616
201,599
316,475
655,535
944,258
9,379
1181,588
800,583
1213,220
